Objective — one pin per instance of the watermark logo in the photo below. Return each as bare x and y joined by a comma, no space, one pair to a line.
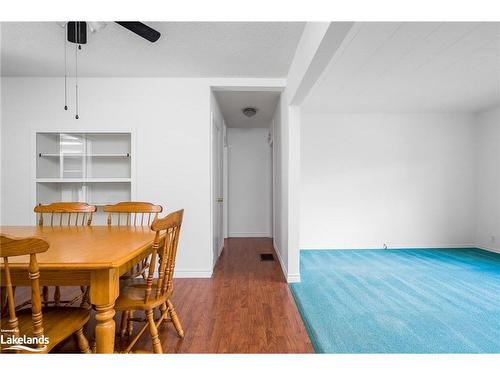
9,340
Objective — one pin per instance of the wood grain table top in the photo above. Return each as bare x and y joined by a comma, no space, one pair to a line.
87,247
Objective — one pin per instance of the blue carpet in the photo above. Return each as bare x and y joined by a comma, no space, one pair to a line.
400,301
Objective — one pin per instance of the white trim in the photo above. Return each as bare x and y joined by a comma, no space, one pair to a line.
290,278
487,248
390,247
283,265
133,165
211,177
33,161
220,250
274,86
225,182
293,228
293,278
250,234
198,274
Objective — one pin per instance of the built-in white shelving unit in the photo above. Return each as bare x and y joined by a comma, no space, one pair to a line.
86,167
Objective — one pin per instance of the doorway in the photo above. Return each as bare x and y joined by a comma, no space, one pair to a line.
242,122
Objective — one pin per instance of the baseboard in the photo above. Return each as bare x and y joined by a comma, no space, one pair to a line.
290,278
282,264
250,234
393,247
195,274
487,248
293,278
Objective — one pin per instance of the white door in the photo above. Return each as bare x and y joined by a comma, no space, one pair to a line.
217,187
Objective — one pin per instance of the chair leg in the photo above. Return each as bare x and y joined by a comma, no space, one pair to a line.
154,332
45,295
124,323
57,296
130,323
175,319
83,343
163,309
3,301
85,296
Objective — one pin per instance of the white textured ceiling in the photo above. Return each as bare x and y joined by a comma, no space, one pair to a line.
232,102
185,49
412,67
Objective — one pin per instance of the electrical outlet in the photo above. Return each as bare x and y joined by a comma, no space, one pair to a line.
493,239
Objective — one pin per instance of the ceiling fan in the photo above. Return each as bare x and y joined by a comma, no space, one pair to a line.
76,32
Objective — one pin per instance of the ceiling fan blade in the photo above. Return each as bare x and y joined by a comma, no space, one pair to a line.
141,29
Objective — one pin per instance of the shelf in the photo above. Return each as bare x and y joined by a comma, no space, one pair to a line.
85,180
83,167
75,155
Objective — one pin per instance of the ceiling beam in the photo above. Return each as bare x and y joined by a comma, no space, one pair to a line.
317,46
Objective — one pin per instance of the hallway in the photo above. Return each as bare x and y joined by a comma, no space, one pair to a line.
246,307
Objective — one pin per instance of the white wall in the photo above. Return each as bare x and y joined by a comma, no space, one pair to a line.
171,118
249,182
488,178
405,180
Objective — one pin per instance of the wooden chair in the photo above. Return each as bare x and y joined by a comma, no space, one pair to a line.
65,214
132,214
150,294
55,324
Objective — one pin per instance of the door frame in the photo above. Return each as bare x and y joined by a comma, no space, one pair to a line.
216,131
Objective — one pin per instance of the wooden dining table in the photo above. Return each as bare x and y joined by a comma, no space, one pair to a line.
79,256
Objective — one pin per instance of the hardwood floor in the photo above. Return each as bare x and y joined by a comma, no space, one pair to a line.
246,307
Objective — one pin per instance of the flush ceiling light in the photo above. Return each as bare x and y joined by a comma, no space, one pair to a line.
249,111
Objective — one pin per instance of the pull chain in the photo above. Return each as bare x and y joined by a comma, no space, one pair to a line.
65,69
76,69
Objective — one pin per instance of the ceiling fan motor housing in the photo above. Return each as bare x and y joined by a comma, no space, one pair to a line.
77,32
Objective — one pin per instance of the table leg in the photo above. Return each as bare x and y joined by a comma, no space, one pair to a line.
105,328
104,289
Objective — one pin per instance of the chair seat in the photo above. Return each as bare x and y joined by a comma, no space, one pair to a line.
58,324
132,293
